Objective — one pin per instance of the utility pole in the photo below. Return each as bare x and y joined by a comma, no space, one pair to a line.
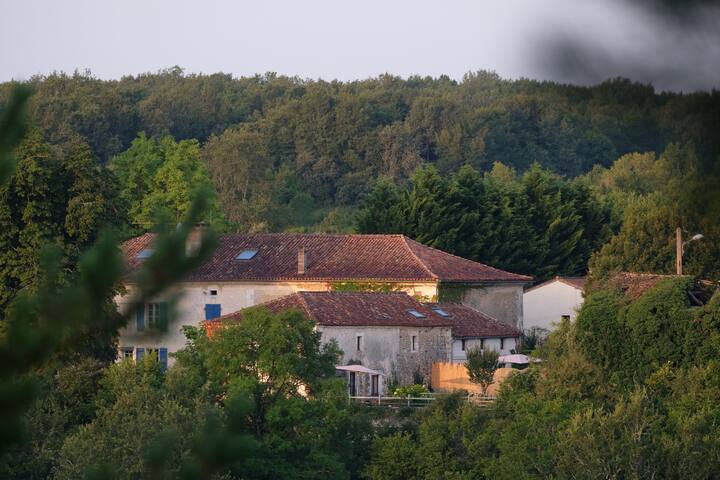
678,251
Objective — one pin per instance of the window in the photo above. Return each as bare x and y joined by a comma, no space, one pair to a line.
482,344
213,293
359,343
441,312
462,344
416,314
147,253
126,352
246,255
153,315
212,310
502,344
413,343
565,317
159,355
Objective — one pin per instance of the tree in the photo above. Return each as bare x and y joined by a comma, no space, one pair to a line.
384,209
160,177
481,365
285,357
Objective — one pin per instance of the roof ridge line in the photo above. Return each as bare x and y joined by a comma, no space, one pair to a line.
425,267
305,305
529,277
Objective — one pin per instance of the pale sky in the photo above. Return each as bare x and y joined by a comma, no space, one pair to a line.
567,40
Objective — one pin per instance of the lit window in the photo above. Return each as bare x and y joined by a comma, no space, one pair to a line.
416,314
246,255
147,253
359,343
440,312
413,343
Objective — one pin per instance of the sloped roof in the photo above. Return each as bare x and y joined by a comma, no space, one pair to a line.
575,282
330,258
369,309
468,322
635,284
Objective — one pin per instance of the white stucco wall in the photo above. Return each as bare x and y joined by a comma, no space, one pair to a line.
190,309
545,305
458,355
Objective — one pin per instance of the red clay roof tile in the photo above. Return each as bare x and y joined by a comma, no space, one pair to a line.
330,258
368,309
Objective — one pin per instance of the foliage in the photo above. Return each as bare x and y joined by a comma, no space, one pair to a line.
409,390
159,176
270,139
537,223
481,365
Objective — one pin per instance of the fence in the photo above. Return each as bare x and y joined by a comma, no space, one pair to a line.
416,402
453,376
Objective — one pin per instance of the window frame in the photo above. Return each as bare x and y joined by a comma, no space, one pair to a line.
153,315
359,343
414,344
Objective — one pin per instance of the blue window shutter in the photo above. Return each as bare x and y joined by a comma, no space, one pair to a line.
163,315
163,358
139,352
212,310
140,314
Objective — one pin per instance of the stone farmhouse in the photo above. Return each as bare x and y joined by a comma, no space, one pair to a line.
395,337
249,269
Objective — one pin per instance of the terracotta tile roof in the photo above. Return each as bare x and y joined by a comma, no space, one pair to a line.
635,284
330,258
575,282
468,322
381,310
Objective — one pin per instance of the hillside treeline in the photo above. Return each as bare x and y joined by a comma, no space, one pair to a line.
310,146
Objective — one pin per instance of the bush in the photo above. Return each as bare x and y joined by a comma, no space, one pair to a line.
411,390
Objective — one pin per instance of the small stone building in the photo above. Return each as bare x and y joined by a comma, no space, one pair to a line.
393,334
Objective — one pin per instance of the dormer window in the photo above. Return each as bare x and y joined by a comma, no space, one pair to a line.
416,314
246,255
441,312
147,253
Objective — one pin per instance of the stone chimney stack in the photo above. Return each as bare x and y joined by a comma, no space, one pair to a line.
302,261
194,238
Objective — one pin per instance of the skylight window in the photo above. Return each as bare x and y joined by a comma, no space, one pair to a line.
441,312
147,253
416,314
246,255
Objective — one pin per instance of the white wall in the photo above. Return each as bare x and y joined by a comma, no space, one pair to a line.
458,355
232,297
545,305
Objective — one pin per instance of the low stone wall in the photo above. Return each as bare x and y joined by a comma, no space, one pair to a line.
447,377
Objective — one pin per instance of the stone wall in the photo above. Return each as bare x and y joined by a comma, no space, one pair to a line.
389,349
503,301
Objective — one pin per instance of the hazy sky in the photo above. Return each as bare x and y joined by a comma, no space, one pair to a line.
582,41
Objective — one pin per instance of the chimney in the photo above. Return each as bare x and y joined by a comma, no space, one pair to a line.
194,238
302,261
